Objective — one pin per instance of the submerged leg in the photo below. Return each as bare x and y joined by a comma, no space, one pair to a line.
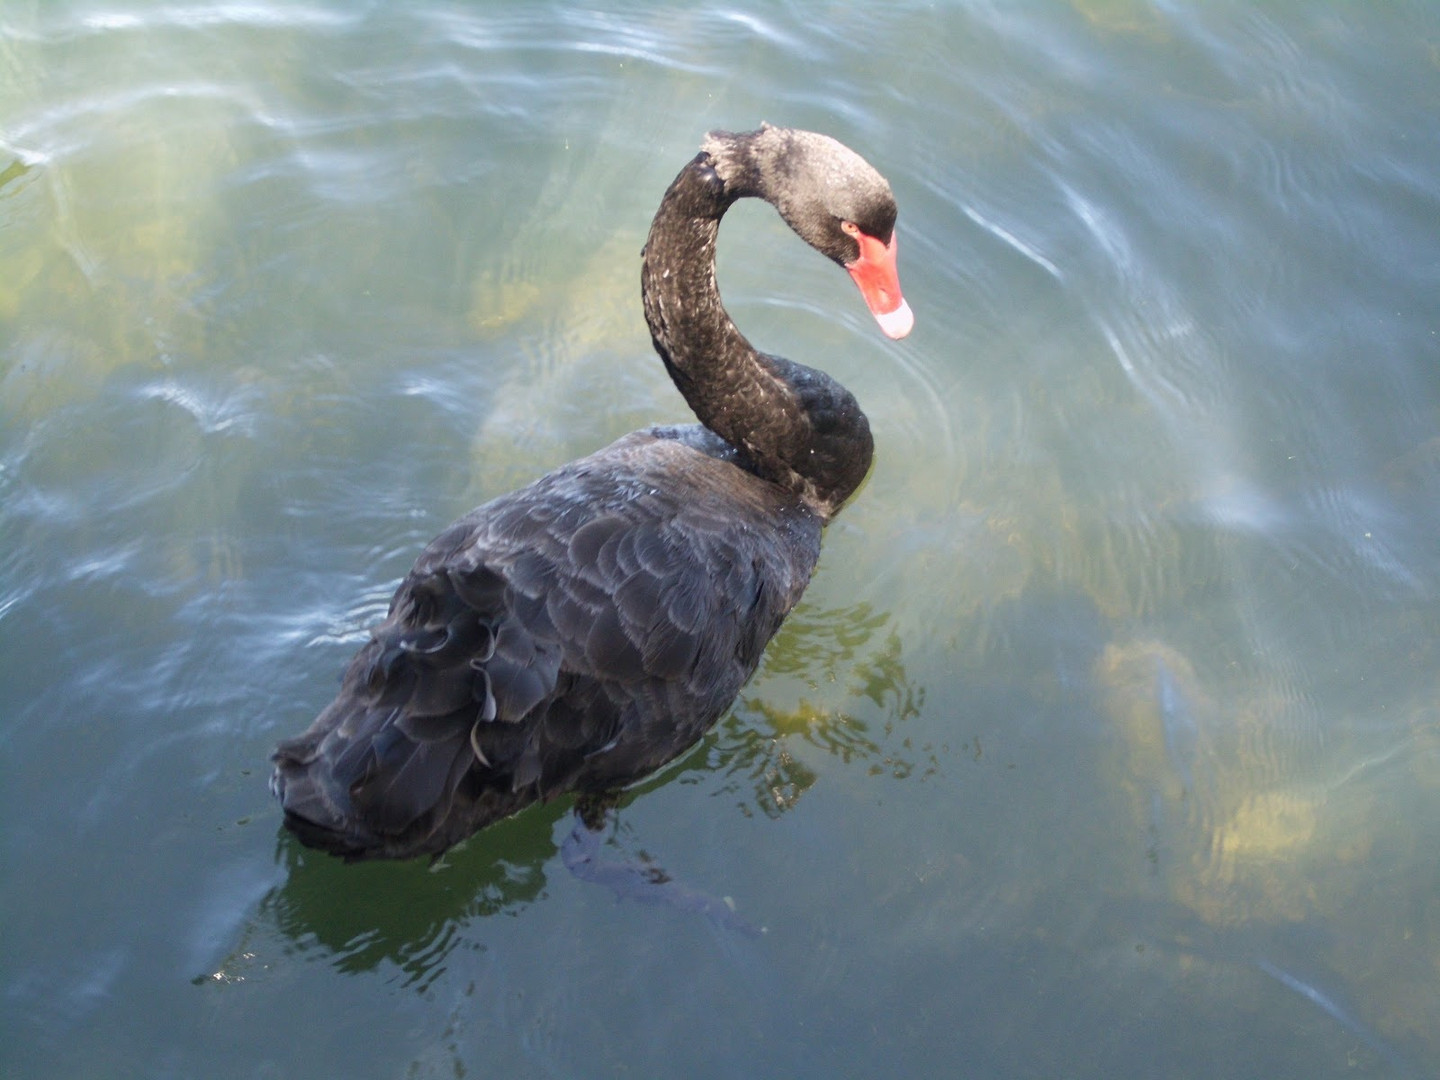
632,880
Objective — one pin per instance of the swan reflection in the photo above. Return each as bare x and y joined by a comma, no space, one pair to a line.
819,648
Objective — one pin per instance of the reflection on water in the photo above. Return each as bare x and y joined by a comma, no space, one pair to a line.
819,647
1105,742
408,916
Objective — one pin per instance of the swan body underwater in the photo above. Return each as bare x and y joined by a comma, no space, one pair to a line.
577,634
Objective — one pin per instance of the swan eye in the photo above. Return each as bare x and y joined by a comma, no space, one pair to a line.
849,228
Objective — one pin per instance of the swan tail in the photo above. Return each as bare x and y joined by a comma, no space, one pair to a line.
422,744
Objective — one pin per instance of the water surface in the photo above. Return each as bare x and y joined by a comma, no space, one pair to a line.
1105,742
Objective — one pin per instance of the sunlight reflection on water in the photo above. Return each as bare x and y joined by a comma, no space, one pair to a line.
1110,710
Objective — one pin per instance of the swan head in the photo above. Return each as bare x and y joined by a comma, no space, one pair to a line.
834,200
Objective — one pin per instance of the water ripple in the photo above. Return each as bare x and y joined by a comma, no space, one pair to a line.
217,15
1007,237
1152,519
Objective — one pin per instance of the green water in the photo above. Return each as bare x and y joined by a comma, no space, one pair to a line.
1105,743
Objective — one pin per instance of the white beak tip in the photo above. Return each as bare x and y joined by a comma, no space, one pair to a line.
896,324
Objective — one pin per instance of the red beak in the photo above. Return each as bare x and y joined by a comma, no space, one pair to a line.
877,276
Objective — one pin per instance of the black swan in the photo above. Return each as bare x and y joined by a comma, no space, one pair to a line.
579,633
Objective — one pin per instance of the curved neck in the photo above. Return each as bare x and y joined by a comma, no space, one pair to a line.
794,425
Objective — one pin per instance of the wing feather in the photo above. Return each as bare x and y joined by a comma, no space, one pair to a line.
575,634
